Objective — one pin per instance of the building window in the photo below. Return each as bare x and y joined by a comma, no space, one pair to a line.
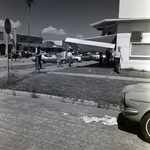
140,50
23,39
135,35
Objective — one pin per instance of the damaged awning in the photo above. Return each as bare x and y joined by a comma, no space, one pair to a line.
98,44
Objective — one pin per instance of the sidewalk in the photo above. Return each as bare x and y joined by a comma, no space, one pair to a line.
104,76
52,68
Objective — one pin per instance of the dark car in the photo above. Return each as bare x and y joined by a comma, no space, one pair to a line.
86,57
14,55
25,54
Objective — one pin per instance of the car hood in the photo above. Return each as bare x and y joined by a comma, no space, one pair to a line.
141,87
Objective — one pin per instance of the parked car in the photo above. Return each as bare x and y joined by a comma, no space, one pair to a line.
96,56
135,106
14,55
77,59
103,58
25,54
86,57
47,58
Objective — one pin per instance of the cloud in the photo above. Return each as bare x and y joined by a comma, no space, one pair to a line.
2,23
80,36
52,30
13,24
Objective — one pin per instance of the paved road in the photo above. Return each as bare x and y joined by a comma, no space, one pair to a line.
25,66
49,123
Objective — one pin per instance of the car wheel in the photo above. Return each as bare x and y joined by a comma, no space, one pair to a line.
63,61
145,127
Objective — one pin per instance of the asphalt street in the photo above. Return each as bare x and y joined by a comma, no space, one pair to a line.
51,123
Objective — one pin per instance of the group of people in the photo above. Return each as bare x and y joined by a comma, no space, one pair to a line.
69,58
116,54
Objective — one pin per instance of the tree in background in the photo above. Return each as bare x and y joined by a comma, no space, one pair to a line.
29,2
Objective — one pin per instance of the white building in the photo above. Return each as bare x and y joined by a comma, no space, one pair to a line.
131,31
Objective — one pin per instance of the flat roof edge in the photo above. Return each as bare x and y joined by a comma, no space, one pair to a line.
119,20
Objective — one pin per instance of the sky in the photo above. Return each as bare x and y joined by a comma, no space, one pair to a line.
58,19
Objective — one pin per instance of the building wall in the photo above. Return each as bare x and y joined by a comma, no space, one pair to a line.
24,39
127,27
124,40
12,39
134,8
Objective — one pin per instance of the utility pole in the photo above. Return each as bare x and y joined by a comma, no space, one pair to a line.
7,29
28,29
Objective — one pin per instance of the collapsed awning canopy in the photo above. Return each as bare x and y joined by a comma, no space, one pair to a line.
97,44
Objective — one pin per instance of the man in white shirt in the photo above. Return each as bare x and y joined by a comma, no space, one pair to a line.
69,58
117,55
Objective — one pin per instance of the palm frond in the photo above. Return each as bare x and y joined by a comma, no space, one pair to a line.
29,2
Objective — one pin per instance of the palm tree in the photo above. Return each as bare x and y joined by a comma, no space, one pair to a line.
29,2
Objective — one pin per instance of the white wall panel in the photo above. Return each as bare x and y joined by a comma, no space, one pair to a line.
134,8
146,38
136,64
123,40
128,27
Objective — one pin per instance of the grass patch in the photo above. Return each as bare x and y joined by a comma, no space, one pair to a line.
133,69
34,95
8,81
131,72
102,91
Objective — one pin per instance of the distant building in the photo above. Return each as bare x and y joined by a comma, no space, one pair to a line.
20,42
3,41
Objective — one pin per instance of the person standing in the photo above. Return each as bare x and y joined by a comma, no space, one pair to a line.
69,58
117,56
58,59
40,57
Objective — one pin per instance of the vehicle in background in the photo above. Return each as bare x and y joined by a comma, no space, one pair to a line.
77,59
48,58
43,52
96,56
14,55
25,54
135,106
103,59
86,57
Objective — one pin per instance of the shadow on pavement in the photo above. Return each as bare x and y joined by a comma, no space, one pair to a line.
98,65
129,126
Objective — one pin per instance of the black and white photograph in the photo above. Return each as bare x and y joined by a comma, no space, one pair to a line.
74,74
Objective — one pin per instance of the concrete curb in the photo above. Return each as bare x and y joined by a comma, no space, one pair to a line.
7,93
103,76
